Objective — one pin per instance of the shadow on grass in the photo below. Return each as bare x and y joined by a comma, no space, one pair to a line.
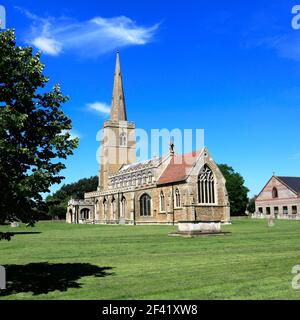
44,277
9,235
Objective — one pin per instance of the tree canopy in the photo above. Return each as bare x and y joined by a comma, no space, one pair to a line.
34,132
59,200
237,191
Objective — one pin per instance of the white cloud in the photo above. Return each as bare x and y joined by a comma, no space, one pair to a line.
47,45
73,133
89,38
100,107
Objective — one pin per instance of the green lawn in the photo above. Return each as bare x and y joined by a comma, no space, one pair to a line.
55,260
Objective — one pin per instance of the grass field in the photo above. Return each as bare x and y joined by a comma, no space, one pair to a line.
55,260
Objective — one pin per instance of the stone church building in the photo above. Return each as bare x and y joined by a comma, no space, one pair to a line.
162,190
279,198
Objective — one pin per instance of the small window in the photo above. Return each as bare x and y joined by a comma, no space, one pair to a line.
177,199
276,210
294,210
123,139
274,193
268,210
162,202
285,210
260,210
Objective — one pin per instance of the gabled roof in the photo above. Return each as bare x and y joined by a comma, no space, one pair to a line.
291,182
178,168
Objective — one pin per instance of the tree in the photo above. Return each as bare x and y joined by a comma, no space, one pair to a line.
237,191
59,200
34,132
251,204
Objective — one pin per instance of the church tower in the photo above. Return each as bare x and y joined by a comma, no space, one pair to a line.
118,145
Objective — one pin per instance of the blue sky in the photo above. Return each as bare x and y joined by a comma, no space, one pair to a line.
230,67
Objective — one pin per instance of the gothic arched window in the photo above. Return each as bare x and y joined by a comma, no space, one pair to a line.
206,185
274,193
162,202
177,199
145,205
123,139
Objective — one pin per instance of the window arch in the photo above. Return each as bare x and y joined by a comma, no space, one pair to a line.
206,185
162,202
145,205
274,193
123,139
177,199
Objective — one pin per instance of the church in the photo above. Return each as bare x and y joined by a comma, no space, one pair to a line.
162,190
279,198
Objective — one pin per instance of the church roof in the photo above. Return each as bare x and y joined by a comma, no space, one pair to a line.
140,165
179,168
292,182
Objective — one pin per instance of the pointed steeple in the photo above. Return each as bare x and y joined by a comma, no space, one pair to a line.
118,108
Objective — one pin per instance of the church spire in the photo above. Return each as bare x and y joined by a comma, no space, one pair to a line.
118,108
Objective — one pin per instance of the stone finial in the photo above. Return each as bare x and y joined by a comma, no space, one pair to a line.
172,147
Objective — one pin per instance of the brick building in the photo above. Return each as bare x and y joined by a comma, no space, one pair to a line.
280,197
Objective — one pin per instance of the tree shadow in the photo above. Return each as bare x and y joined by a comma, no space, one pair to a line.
44,277
9,235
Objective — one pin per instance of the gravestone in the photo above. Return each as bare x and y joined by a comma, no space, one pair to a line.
2,278
15,224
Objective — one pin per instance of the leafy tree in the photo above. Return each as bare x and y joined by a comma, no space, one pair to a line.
34,132
59,200
237,191
251,204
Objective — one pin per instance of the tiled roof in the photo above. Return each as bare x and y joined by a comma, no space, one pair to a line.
291,182
178,168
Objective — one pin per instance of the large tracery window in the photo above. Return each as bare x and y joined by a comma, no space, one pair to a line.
145,205
206,186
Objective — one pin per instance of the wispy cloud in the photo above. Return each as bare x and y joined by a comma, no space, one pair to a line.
99,107
89,38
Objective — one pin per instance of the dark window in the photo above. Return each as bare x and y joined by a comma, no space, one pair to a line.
294,209
84,214
206,186
268,210
275,193
285,210
260,210
145,205
276,210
